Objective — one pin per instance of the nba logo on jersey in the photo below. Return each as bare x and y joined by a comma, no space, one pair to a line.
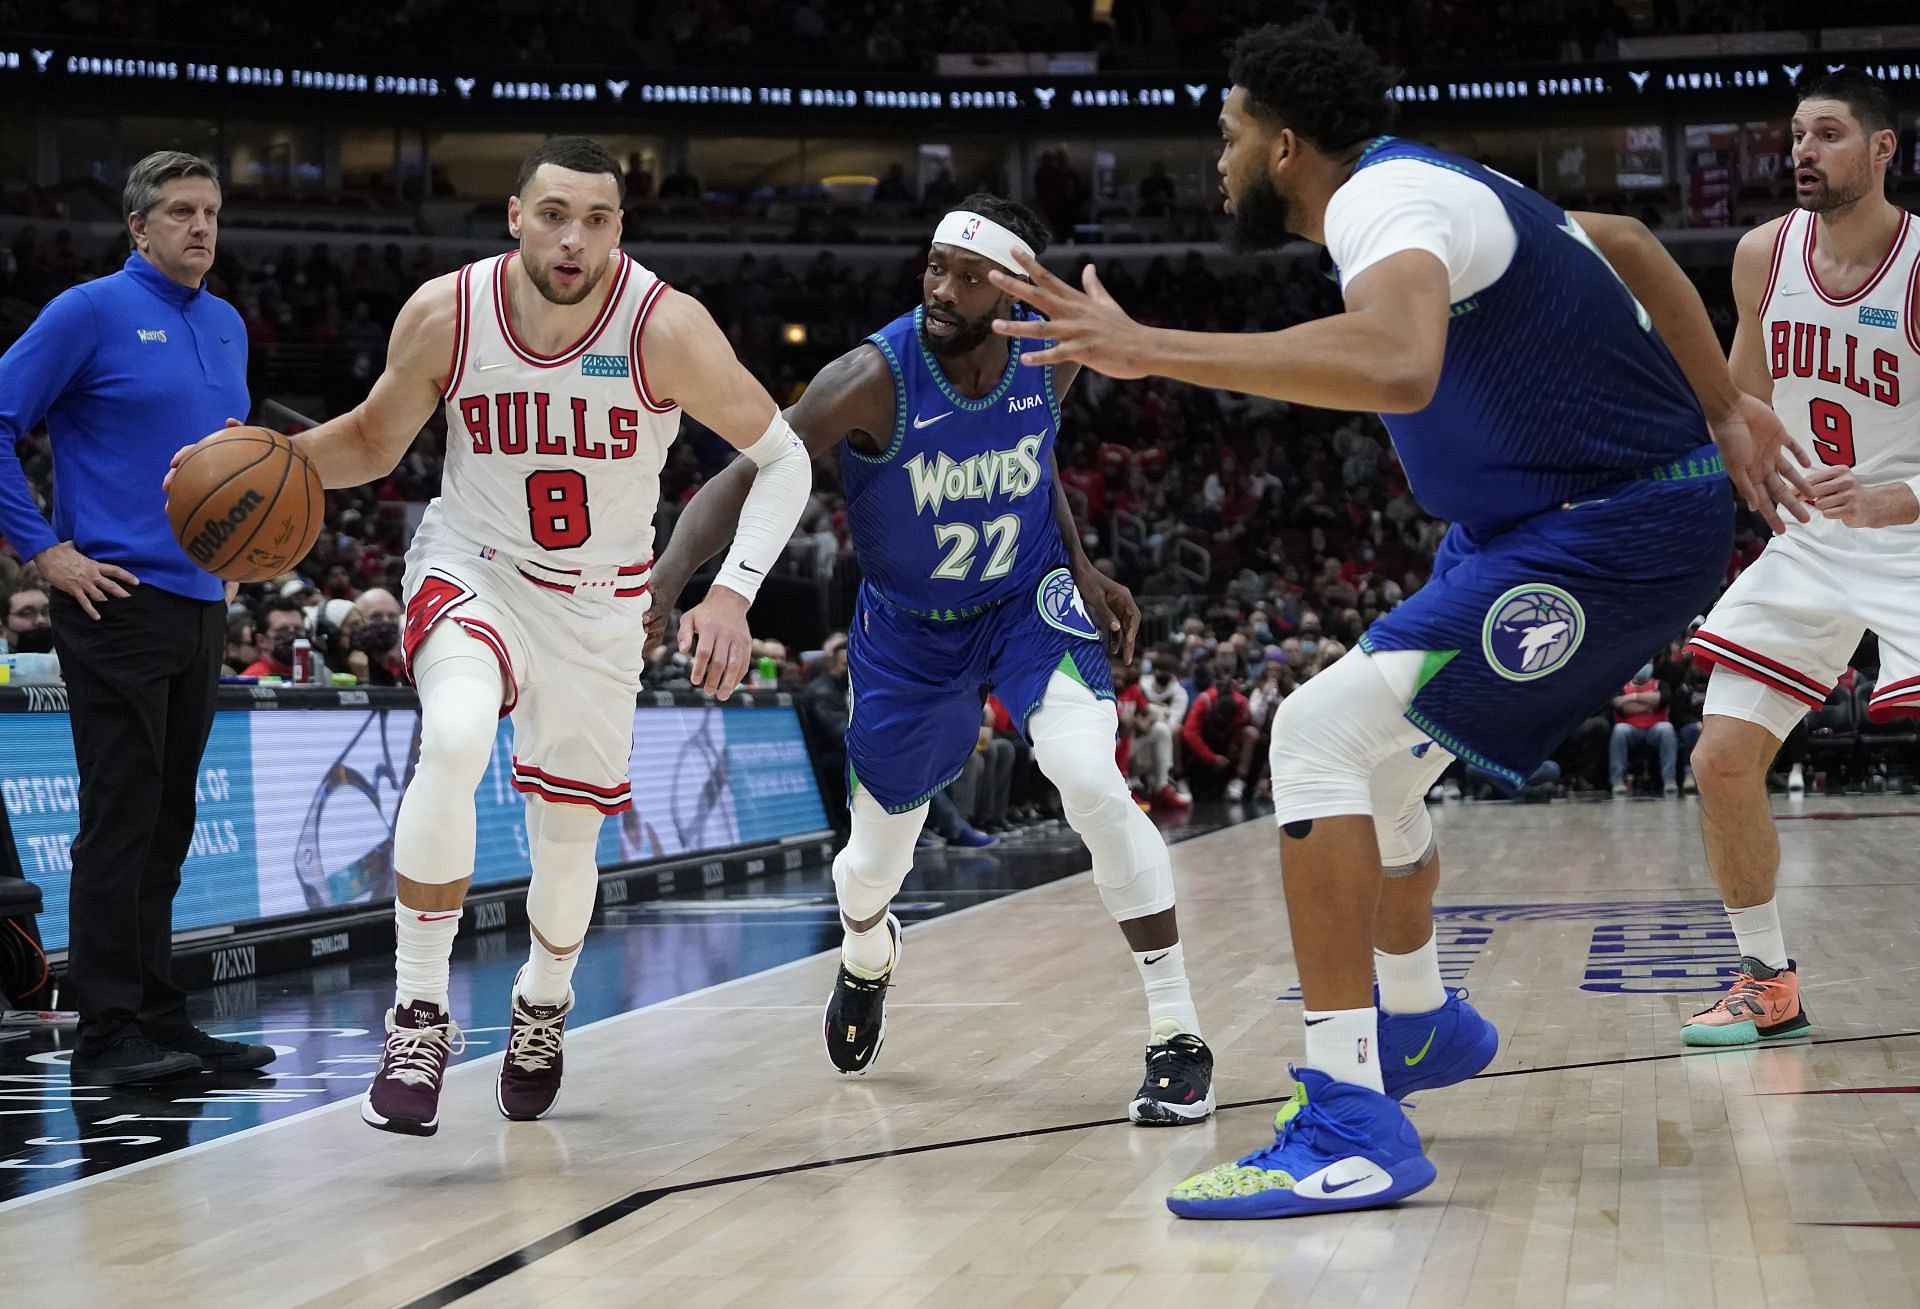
1532,631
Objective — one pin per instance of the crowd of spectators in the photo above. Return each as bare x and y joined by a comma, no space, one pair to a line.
1263,538
901,35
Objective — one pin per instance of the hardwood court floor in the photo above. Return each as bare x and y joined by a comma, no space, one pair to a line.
705,1155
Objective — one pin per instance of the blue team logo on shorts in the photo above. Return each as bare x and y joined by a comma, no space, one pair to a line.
1060,604
1531,631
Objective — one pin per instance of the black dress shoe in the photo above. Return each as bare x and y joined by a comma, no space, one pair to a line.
215,1055
131,1060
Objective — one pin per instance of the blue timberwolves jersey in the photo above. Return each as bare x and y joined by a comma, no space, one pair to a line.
958,513
1554,386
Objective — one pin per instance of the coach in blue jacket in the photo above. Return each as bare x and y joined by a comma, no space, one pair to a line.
126,370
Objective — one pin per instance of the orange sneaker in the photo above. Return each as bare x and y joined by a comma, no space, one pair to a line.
1762,1005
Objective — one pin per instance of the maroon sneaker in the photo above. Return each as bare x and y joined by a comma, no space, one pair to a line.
529,1082
405,1094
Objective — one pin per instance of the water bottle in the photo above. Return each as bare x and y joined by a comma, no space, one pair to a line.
302,662
18,669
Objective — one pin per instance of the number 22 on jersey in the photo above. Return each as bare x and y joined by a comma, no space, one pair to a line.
960,540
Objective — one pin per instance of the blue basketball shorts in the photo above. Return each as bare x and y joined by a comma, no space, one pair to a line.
919,683
1530,632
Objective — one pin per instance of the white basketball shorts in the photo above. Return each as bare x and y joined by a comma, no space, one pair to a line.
1792,620
571,647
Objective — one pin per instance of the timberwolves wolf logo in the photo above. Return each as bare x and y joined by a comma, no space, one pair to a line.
1532,631
1060,605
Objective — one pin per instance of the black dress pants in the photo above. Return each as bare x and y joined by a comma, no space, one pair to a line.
141,686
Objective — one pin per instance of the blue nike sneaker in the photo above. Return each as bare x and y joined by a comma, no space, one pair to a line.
1421,1051
1336,1146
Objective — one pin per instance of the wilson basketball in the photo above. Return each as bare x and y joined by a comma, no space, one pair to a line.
246,506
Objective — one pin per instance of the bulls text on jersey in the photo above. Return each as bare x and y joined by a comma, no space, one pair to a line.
523,422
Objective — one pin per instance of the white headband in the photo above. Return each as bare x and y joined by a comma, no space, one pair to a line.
966,230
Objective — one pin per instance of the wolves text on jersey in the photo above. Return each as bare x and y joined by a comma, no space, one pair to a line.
523,422
1808,350
1005,473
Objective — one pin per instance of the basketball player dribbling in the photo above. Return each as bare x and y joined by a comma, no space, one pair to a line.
1827,298
563,367
974,578
1512,351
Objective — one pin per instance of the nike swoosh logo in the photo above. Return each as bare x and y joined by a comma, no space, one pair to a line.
1152,959
1315,1022
1328,1188
1792,290
1413,1059
486,368
749,568
919,422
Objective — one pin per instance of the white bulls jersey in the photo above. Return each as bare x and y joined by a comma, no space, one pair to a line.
1846,372
554,459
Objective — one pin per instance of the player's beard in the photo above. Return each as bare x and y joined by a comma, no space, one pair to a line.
1830,197
969,335
1262,217
542,280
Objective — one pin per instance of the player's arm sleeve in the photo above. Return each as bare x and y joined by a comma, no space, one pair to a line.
33,373
782,480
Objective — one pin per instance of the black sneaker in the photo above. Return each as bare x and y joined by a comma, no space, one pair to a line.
216,1055
131,1060
1179,1085
856,1019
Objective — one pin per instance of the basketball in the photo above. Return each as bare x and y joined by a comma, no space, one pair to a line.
246,506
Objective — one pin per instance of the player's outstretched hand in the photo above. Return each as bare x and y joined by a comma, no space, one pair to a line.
1761,458
1087,326
180,455
715,633
1112,608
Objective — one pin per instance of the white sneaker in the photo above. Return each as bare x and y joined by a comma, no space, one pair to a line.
1620,790
1796,783
1236,790
1670,789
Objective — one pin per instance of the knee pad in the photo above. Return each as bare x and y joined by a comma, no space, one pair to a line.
1331,736
459,686
878,855
459,682
562,840
1401,822
1073,735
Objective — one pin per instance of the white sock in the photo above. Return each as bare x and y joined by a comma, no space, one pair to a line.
1345,1045
548,977
1410,983
423,946
870,953
1757,929
1169,998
